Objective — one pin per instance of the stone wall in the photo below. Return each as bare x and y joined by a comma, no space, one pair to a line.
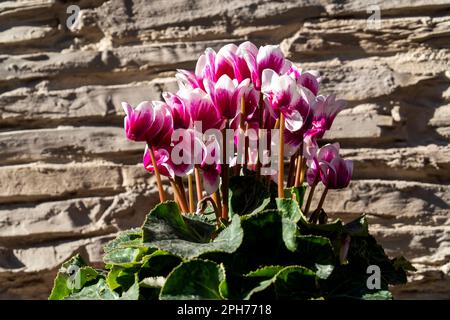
69,180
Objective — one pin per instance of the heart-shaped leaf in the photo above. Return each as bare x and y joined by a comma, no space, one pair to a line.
227,241
194,280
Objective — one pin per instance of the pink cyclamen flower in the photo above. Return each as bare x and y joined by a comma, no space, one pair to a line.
251,101
226,95
222,63
337,173
179,159
211,166
210,66
211,177
193,80
188,79
188,149
162,137
308,79
294,139
143,122
162,157
325,111
180,113
310,147
235,55
201,108
283,95
317,157
268,57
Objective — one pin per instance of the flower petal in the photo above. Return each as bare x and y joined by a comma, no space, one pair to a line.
127,108
201,66
211,180
268,77
293,121
270,57
247,47
328,152
309,81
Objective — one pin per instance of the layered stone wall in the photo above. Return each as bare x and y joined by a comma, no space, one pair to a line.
69,180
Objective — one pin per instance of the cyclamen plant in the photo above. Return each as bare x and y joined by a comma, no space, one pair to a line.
243,88
248,233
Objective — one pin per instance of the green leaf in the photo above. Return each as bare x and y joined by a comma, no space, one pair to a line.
159,263
323,271
125,257
247,195
223,286
85,275
295,282
402,263
262,286
207,219
379,295
262,243
365,251
64,282
150,287
227,241
334,231
128,238
98,291
358,227
329,230
265,272
133,292
111,278
165,221
291,214
121,277
291,282
270,237
299,194
194,280
315,249
153,282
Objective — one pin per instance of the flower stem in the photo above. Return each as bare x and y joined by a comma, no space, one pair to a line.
303,171
301,161
162,193
218,201
246,146
281,159
291,173
298,172
198,183
224,186
175,194
260,127
322,199
178,196
277,124
191,193
179,182
241,134
216,211
310,196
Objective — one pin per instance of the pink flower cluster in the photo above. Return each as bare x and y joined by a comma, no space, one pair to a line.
268,85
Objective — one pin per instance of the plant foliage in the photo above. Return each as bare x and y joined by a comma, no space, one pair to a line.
268,250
